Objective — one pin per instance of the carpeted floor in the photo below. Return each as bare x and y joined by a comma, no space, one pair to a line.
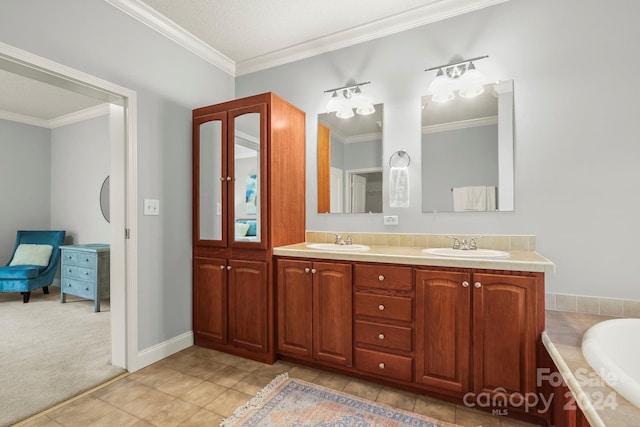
50,351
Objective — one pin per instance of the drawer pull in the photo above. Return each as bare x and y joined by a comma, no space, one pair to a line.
381,277
381,365
465,284
477,285
381,307
380,336
306,270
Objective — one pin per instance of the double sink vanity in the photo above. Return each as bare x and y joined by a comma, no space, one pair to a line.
410,312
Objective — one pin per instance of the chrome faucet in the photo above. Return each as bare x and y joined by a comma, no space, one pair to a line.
341,241
456,242
464,244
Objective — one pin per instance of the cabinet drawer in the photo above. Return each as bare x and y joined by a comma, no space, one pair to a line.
78,288
384,307
83,259
383,277
387,336
384,364
71,271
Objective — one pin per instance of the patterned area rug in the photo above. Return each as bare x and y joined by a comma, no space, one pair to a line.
293,402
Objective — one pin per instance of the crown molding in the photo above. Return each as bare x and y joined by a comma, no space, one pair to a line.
174,32
462,124
436,11
78,116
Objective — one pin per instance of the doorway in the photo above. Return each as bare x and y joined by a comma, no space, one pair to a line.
122,140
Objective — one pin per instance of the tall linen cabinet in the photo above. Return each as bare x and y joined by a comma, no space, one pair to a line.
248,197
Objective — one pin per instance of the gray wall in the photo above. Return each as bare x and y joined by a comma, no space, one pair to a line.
94,37
576,149
25,172
79,165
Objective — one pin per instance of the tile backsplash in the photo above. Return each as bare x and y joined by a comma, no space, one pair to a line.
498,242
616,307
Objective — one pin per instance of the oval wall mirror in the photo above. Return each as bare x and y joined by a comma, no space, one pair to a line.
104,199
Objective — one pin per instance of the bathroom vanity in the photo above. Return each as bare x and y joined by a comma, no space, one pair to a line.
464,329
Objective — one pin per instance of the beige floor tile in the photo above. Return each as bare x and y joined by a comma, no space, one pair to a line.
280,367
172,414
247,365
81,412
304,373
436,409
202,394
228,376
332,381
120,396
157,377
146,404
195,366
117,417
42,421
103,391
252,384
179,384
203,418
362,389
397,399
226,403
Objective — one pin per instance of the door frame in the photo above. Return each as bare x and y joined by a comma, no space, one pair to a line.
347,183
123,187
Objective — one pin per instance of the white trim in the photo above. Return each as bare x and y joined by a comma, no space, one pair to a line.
174,32
83,82
436,11
78,116
374,136
462,124
158,352
21,118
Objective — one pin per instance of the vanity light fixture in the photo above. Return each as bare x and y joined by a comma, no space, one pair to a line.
461,76
347,98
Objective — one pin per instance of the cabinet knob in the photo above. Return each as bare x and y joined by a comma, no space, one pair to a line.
86,289
381,307
313,271
465,284
381,277
380,336
381,365
228,178
228,267
477,285
222,178
222,267
306,270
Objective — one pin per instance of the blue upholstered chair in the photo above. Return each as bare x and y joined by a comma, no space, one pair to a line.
20,275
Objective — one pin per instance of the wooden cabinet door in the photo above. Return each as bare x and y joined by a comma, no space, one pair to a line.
332,313
504,318
295,301
248,299
443,329
209,299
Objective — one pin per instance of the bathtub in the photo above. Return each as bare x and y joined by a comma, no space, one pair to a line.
612,348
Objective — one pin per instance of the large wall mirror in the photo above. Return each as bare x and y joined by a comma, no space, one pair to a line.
467,152
247,178
350,163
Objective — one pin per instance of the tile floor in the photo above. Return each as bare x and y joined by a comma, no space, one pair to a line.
200,387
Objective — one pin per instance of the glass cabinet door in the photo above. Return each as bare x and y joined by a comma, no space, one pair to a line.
247,130
210,180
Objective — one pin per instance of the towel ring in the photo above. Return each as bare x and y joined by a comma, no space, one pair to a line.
401,157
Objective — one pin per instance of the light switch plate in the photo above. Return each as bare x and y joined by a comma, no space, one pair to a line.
151,207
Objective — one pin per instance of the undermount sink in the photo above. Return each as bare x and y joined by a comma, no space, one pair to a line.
471,253
338,248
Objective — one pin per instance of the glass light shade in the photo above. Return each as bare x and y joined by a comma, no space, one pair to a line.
365,110
471,83
335,103
345,112
361,103
440,88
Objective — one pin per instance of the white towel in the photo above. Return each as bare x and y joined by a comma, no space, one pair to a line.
399,187
474,198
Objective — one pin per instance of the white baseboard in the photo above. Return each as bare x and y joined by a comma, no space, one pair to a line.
158,352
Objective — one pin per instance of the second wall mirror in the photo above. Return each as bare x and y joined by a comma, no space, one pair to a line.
350,163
